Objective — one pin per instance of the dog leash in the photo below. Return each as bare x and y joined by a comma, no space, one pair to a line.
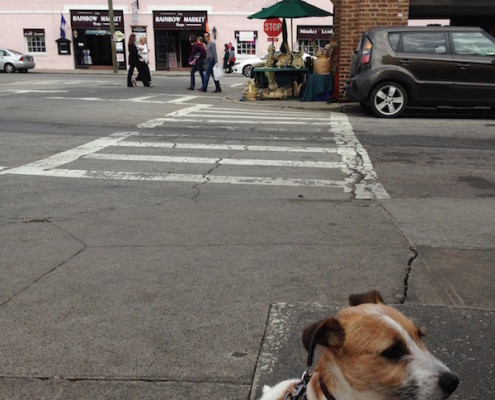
300,389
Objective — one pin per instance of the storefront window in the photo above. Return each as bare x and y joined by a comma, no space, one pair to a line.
307,45
248,48
35,40
308,35
246,42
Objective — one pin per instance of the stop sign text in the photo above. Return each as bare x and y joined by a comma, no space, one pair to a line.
273,27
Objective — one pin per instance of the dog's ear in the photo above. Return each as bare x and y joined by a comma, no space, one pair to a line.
373,297
328,333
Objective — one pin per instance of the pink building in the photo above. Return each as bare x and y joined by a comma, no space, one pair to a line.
34,27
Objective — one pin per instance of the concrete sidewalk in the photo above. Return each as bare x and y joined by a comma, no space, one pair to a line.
230,95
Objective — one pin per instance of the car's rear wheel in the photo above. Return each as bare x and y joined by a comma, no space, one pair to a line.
246,71
9,68
388,100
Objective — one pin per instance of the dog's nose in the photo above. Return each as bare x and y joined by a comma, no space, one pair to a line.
448,382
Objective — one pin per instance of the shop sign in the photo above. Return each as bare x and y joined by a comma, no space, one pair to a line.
312,32
246,36
95,19
180,20
34,32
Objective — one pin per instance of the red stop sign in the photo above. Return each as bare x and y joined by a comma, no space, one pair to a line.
273,27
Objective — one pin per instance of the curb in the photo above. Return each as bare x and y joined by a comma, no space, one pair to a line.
288,103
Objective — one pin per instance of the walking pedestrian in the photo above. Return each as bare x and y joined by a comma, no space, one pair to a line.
211,60
133,59
196,59
226,57
143,51
231,59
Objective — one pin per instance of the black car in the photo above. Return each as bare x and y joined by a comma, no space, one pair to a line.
397,67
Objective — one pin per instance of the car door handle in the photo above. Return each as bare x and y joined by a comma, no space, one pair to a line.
405,61
463,66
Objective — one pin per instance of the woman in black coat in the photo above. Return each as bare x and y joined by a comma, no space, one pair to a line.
135,61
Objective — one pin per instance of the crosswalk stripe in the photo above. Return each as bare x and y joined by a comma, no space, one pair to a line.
218,161
153,123
257,117
191,178
234,147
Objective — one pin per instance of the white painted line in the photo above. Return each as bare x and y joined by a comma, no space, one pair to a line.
253,114
3,168
233,147
145,176
204,119
219,161
182,99
20,91
355,156
278,119
78,98
272,113
71,155
188,110
143,99
153,123
257,121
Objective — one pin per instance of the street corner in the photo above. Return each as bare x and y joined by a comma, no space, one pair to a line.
460,337
452,277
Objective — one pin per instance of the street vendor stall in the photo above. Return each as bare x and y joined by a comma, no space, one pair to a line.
288,72
318,87
284,77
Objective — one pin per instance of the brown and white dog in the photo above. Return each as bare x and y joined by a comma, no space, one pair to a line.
370,351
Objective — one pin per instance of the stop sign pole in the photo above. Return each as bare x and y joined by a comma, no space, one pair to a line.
273,28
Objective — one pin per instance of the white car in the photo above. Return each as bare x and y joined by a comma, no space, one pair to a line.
245,65
12,60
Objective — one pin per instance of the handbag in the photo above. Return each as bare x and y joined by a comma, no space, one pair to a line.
218,72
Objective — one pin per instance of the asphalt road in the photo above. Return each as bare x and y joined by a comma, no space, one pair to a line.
161,243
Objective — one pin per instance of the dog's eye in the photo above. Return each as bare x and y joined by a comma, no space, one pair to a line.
395,352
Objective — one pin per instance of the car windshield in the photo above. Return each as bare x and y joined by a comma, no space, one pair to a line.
14,52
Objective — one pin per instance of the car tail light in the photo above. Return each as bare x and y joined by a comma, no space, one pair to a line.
22,58
366,58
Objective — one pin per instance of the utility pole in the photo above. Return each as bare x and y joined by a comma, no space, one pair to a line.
112,36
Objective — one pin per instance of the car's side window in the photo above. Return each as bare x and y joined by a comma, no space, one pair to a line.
472,43
2,53
393,39
424,42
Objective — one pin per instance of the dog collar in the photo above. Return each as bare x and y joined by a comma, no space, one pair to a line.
324,389
301,387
